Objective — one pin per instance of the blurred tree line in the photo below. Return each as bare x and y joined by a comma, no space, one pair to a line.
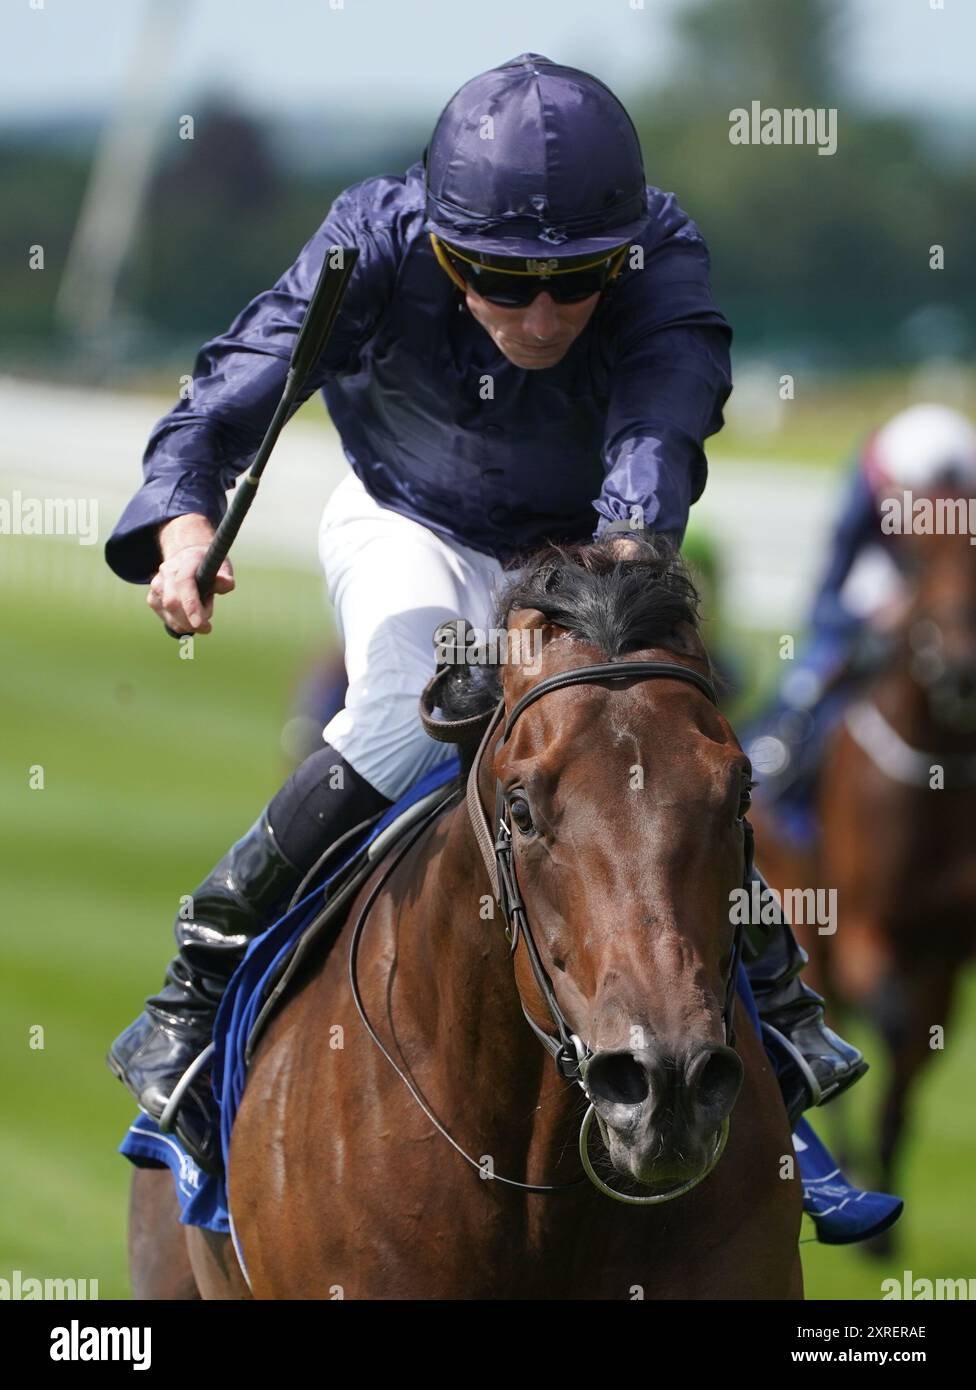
824,258
827,255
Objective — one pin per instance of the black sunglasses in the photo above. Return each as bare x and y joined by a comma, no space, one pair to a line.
517,286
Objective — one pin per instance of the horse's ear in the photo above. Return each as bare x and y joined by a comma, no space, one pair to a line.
687,640
532,620
521,618
529,633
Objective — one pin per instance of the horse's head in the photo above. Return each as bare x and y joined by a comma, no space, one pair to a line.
940,628
626,800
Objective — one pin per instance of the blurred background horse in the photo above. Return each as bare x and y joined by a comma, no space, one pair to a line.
870,754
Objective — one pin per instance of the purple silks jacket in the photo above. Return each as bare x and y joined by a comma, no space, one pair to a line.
437,423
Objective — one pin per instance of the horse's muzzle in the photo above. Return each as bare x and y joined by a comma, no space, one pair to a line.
659,1112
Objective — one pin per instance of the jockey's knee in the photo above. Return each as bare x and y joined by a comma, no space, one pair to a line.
382,738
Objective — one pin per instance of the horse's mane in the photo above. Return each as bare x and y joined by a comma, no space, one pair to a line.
616,605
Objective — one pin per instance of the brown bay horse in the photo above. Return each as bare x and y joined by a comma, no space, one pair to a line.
896,809
624,794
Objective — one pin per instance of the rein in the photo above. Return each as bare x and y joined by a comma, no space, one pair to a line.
570,1053
411,1086
897,759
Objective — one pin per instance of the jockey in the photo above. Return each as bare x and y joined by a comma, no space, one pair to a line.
527,351
918,453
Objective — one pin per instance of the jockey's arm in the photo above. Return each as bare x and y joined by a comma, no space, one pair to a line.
669,382
197,450
669,400
856,526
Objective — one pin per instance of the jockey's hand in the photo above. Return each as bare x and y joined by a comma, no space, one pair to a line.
173,593
624,548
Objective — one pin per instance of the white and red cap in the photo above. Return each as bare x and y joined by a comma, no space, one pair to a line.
926,448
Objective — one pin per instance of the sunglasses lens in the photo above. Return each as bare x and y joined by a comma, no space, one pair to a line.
505,290
577,287
516,290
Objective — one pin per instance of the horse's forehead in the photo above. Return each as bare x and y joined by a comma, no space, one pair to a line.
617,717
530,664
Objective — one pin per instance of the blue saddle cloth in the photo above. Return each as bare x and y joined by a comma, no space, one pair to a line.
842,1212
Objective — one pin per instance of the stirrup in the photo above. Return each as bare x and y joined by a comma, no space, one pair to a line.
167,1119
780,1042
817,1092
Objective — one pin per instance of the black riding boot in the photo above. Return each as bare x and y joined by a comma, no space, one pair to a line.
813,1063
240,898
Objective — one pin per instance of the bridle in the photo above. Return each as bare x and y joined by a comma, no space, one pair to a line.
570,1053
893,756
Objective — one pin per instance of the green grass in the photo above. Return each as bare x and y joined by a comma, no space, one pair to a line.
829,417
935,1233
151,764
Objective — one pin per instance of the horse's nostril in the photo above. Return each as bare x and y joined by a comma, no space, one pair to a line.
618,1078
714,1077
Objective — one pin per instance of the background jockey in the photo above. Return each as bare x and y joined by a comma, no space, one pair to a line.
864,591
528,351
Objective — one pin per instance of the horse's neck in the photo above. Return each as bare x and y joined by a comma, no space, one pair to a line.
901,701
906,707
947,594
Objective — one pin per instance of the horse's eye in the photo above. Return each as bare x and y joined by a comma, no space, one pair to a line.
521,813
745,799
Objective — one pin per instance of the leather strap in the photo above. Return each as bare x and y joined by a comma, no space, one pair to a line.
463,732
612,670
476,811
579,675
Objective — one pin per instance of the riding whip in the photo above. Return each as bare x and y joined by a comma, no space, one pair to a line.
309,346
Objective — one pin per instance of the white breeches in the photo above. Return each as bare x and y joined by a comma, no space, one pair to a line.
391,582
